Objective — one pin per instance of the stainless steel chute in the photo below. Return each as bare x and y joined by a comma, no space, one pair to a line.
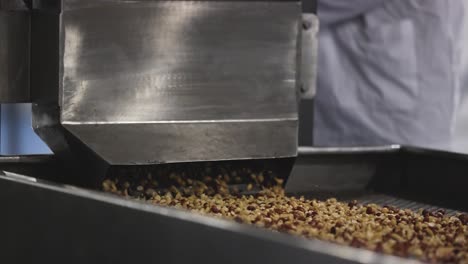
149,82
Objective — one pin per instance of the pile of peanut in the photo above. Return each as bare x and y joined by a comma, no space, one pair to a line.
428,236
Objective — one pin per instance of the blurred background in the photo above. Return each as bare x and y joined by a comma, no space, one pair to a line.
17,135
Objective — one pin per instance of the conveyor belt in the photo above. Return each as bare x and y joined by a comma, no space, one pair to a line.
66,219
383,199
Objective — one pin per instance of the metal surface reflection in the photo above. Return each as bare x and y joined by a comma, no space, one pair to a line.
149,82
165,61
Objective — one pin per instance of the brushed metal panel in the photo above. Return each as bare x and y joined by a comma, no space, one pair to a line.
138,144
147,81
179,60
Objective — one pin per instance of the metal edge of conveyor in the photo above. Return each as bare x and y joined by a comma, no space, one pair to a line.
304,151
393,148
435,178
26,159
345,253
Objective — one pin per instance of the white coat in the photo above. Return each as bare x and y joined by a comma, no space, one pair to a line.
389,71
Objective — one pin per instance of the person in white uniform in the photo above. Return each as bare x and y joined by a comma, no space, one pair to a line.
389,72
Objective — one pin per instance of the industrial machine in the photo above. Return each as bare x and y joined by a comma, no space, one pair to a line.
152,82
137,84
